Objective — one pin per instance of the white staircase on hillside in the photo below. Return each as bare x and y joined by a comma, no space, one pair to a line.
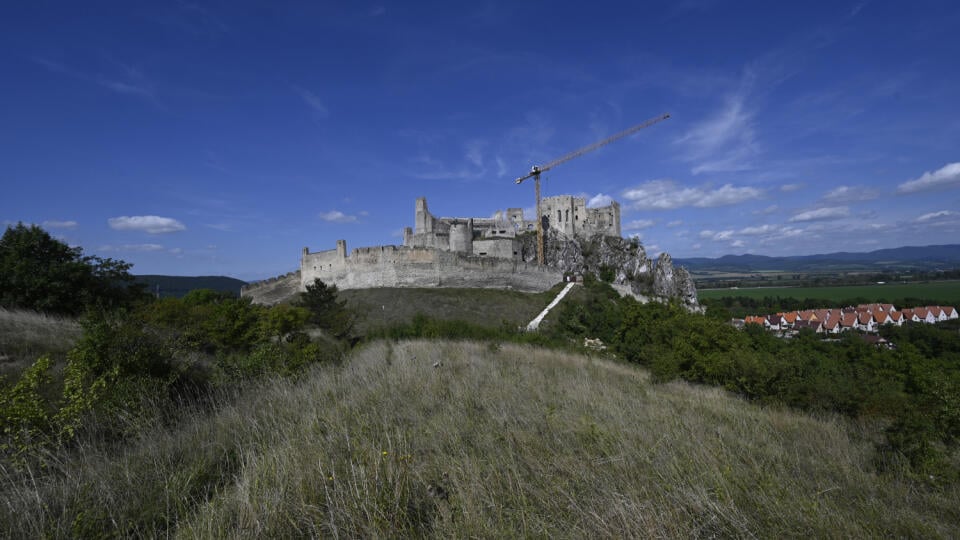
535,323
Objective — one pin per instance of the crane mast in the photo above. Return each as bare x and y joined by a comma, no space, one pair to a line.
537,170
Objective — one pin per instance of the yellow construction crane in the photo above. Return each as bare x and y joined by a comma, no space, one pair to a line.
536,170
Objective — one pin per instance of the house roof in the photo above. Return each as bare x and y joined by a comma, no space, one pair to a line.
865,317
849,320
753,319
791,317
808,314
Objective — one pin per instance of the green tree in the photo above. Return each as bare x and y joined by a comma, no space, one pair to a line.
326,311
42,273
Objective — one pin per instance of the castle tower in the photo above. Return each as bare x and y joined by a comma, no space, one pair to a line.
461,236
423,221
342,249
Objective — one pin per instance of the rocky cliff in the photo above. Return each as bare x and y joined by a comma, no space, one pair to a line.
623,262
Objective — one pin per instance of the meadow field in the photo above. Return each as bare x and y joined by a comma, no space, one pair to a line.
444,439
946,292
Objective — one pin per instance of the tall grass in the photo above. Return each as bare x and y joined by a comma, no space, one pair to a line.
25,335
458,439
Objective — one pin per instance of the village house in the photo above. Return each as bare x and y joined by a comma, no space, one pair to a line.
864,318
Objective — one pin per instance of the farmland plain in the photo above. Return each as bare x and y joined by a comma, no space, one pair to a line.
947,292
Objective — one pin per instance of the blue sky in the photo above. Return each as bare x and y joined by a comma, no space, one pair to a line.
220,138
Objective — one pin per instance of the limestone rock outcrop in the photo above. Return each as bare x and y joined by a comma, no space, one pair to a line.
621,261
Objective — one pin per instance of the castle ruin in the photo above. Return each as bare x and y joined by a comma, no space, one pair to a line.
495,252
497,236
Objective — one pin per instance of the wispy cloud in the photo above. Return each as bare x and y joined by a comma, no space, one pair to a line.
725,141
132,82
845,194
56,224
336,216
667,195
787,188
471,168
818,214
131,248
936,215
675,223
148,224
947,176
639,224
313,101
772,209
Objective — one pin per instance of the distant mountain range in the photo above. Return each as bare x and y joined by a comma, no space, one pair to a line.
177,286
902,258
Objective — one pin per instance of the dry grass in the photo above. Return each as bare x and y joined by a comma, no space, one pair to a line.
25,335
494,442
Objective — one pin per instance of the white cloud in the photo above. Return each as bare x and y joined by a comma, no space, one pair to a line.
766,211
639,224
842,194
675,223
756,231
716,236
944,177
737,244
56,224
313,101
336,216
829,212
936,215
132,247
600,199
787,188
148,224
667,195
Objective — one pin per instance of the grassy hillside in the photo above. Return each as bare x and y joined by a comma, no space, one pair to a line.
25,335
486,307
492,442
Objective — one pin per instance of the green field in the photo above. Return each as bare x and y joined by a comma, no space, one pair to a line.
947,292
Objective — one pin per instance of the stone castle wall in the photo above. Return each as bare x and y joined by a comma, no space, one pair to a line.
397,266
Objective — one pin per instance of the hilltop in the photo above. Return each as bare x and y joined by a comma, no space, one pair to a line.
442,439
899,259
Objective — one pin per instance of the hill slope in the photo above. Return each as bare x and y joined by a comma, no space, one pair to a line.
177,286
485,307
492,442
915,257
